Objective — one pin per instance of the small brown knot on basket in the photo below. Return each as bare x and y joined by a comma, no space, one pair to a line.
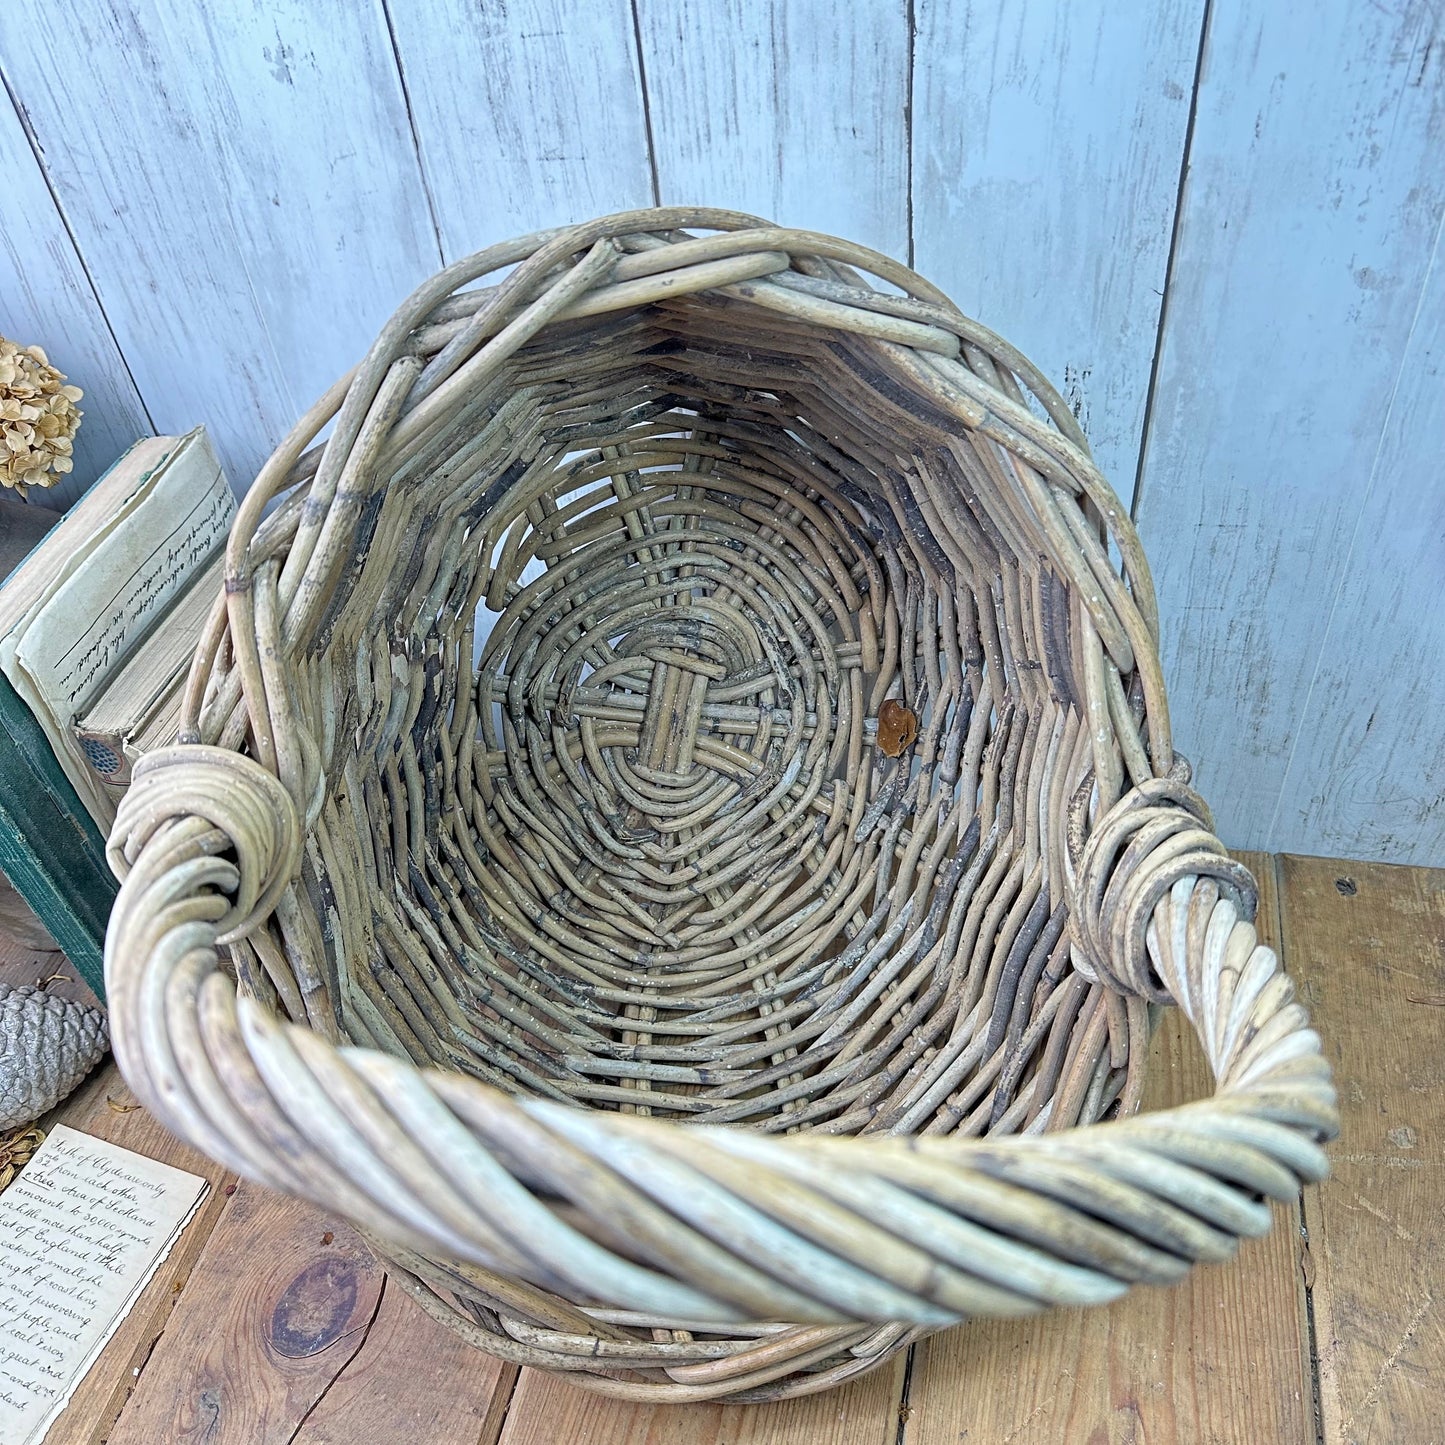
897,727
1155,835
235,806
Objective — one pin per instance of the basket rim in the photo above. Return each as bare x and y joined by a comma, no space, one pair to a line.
209,840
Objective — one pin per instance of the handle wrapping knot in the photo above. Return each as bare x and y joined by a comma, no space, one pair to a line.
235,795
1155,835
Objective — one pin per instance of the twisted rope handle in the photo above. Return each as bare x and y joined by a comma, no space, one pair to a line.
704,1224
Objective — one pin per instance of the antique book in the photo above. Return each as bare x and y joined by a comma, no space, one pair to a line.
138,707
91,591
70,613
50,848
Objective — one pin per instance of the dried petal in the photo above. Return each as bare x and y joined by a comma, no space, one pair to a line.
38,418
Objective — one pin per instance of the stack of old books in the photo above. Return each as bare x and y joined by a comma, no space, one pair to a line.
98,621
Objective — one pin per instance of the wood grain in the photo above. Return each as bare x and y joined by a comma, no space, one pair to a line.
1366,773
546,1410
413,1380
105,1107
289,1332
243,187
1369,948
1047,143
1291,416
528,114
46,300
795,111
20,965
281,1302
1219,1359
243,192
1222,1357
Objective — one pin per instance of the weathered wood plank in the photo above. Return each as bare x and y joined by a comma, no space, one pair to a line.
46,299
1366,774
1366,940
528,114
545,1409
1221,1357
20,965
1292,414
280,1303
242,184
105,1107
288,1332
794,111
414,1380
1047,142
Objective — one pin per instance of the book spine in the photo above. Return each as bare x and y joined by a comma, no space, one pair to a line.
49,848
107,755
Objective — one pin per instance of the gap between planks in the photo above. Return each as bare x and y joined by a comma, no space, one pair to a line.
290,1333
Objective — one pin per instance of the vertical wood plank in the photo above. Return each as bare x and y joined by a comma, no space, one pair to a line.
1047,146
288,1331
282,1300
1366,775
546,1409
1312,207
242,183
1367,944
1221,1357
415,1380
791,109
46,300
528,114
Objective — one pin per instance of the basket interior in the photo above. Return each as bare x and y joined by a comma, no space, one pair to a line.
684,761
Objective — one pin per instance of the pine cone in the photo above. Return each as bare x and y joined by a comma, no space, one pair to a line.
47,1046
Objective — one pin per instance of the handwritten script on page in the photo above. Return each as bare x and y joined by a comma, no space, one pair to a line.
82,1230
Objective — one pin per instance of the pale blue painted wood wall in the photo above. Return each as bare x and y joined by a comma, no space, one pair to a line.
1216,224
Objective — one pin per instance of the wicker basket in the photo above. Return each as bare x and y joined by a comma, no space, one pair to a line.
675,832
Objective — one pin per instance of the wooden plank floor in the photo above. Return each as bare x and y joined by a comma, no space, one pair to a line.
270,1323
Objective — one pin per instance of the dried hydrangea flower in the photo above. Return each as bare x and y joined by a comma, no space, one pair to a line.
38,418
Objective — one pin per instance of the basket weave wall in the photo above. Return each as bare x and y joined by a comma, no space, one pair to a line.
694,688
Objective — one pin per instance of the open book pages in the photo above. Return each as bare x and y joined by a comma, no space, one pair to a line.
78,605
82,1230
138,706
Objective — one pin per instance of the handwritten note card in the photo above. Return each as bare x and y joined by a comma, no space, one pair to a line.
82,1230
